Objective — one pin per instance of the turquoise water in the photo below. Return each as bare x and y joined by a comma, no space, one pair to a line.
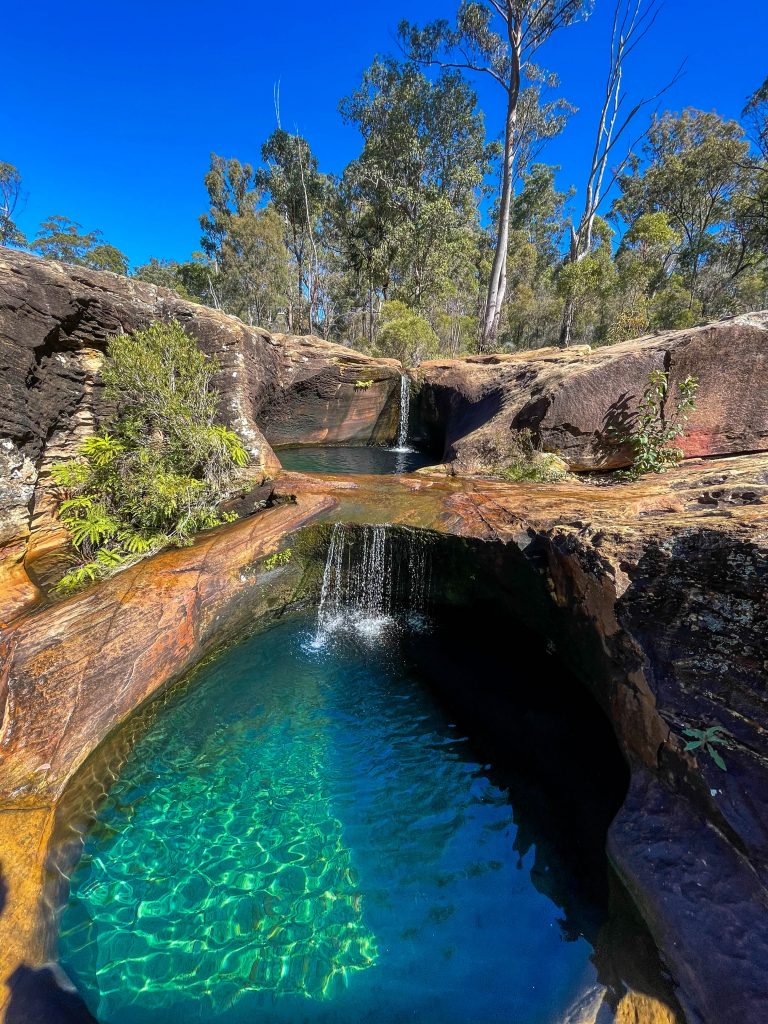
303,834
350,460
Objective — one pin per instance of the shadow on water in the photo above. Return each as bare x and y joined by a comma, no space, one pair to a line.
44,995
548,743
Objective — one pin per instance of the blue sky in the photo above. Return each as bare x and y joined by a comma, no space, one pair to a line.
111,109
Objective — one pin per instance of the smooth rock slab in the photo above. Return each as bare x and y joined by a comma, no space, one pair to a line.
579,402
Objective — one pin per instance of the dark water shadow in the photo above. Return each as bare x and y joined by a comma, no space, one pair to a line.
44,995
546,741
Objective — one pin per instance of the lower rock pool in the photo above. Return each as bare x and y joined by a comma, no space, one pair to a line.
304,832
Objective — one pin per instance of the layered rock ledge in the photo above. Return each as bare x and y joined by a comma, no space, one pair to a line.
657,590
579,402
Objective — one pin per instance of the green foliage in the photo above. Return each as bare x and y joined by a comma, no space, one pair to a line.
154,474
696,175
62,239
654,429
363,385
511,455
410,224
708,740
10,197
524,461
276,561
405,335
298,195
189,280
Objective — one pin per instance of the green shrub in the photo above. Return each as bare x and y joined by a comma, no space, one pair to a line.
405,335
524,460
654,429
156,471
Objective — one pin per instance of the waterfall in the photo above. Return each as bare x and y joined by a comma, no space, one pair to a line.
373,575
405,407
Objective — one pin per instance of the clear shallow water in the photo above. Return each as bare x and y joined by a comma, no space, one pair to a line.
364,459
304,835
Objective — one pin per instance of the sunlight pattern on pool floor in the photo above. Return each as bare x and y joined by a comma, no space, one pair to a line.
300,834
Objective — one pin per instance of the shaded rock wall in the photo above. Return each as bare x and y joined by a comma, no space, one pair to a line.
578,401
329,394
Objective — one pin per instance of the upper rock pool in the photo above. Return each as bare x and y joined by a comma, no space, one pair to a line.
373,459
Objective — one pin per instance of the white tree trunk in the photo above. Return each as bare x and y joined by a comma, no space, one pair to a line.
497,284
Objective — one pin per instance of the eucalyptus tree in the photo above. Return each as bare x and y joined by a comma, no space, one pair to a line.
537,228
417,183
497,38
299,193
10,196
232,191
60,238
755,113
248,261
189,279
632,20
753,205
695,170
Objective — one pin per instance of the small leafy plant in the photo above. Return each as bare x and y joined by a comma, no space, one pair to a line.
277,560
653,432
156,472
363,385
708,740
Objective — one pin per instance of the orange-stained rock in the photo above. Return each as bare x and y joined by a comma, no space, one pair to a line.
578,402
24,837
76,669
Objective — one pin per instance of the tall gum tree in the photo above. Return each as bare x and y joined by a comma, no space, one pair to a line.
632,21
498,38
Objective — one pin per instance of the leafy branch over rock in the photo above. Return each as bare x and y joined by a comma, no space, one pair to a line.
654,430
157,470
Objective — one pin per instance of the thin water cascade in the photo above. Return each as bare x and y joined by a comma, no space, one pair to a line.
405,409
373,575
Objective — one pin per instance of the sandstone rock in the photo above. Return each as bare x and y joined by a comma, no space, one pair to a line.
626,577
55,321
329,394
578,402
